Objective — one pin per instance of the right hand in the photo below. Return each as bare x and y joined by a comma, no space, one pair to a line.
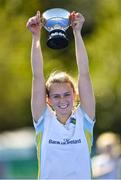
34,24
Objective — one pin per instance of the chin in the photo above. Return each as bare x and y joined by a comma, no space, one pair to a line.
66,113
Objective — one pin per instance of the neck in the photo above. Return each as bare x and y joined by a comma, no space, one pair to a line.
63,119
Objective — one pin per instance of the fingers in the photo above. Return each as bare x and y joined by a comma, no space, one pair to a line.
75,16
35,20
38,14
39,18
77,20
72,15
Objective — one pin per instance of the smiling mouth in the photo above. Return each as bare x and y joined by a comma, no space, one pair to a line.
63,106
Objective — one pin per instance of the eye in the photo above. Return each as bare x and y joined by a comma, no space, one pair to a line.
56,96
67,94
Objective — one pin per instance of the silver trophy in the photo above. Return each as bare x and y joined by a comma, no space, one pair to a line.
56,22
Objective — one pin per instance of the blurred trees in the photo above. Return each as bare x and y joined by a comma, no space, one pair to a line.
101,33
105,54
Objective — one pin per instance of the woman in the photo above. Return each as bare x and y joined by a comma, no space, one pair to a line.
64,134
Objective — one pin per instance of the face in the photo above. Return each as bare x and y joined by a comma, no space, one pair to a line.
61,98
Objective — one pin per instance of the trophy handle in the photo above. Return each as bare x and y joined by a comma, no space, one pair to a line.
43,21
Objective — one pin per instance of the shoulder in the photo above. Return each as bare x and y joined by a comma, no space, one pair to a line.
88,123
80,110
43,119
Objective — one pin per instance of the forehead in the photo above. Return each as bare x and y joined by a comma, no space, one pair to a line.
60,88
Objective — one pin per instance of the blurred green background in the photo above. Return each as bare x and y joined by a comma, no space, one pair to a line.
102,36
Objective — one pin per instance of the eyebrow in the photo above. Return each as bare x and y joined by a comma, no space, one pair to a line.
56,94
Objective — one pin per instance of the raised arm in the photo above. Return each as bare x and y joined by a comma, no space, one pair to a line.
86,94
38,99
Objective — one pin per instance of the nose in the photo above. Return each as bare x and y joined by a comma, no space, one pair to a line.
62,98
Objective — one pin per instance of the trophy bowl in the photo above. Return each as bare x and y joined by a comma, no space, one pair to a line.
56,22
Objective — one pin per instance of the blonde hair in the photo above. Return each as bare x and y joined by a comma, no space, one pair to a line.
59,77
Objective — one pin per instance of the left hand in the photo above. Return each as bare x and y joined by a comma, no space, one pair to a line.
77,21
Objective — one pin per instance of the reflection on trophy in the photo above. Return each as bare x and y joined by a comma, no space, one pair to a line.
56,23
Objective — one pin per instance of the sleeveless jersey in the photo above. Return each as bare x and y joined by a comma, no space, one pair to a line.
64,150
